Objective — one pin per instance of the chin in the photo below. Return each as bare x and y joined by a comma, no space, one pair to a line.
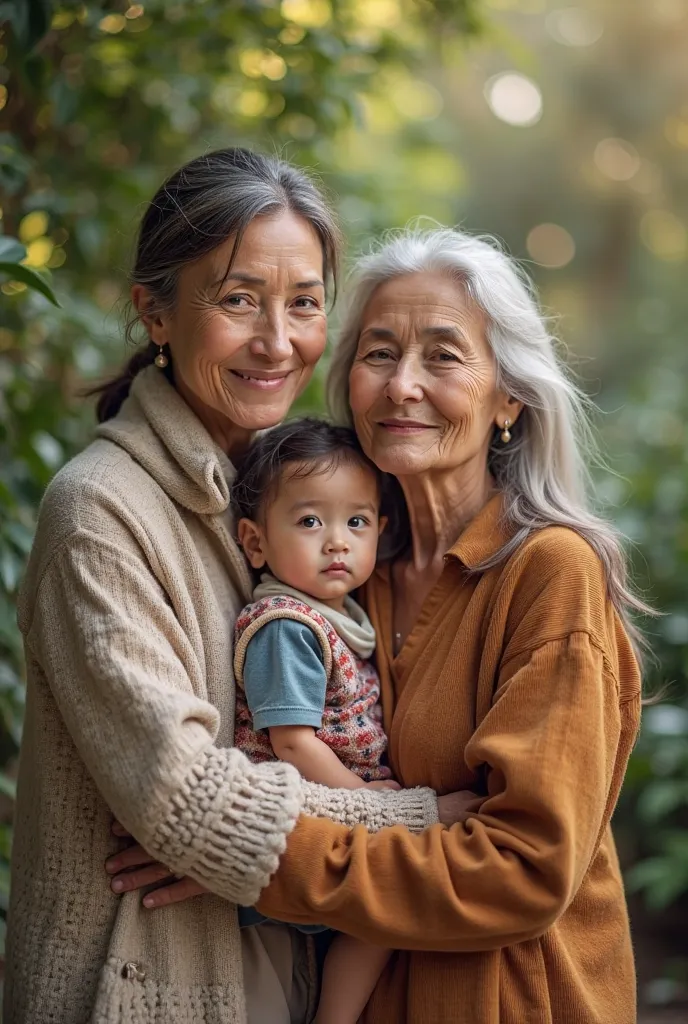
399,463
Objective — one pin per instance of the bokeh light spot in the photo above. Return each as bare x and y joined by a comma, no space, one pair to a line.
513,98
38,253
550,245
252,102
575,26
308,13
112,23
33,226
676,131
664,235
617,159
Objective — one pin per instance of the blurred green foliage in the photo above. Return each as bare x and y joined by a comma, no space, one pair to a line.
99,101
395,106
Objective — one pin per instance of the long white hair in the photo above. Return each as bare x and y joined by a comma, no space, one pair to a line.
543,471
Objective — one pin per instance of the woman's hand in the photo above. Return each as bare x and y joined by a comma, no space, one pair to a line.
458,806
383,784
134,868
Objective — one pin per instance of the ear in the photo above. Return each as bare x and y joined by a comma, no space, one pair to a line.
382,523
143,301
251,539
508,409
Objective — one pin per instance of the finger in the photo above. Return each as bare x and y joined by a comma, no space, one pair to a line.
132,857
118,829
185,889
130,880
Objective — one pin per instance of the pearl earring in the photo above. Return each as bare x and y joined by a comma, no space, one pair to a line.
505,435
161,359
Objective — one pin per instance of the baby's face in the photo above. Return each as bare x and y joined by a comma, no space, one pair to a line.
320,532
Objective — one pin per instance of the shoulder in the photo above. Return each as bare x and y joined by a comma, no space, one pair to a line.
554,584
101,497
280,630
556,552
98,485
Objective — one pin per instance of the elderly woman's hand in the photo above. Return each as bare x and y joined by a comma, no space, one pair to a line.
134,868
458,806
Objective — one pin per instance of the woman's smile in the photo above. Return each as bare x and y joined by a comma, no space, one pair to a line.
405,426
262,380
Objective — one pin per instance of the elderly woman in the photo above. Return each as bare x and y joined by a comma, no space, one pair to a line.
505,655
128,610
506,658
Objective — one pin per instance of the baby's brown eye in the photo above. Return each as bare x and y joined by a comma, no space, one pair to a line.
356,522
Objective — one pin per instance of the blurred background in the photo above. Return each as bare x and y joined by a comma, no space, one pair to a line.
561,129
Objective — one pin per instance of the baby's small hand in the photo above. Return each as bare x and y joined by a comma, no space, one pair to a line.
384,784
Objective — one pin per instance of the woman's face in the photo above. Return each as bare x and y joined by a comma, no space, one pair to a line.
243,345
423,386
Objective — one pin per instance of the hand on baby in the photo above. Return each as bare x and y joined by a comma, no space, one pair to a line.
383,784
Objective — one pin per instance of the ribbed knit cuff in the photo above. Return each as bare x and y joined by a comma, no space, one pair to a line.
375,808
229,823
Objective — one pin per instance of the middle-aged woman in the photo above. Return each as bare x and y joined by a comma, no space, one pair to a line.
505,652
128,609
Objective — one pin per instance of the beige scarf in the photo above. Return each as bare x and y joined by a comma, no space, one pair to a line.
353,625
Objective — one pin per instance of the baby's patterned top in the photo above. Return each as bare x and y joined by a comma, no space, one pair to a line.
351,717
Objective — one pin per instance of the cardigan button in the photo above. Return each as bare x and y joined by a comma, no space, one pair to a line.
133,972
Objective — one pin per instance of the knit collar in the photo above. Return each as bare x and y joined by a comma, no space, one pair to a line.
486,533
352,625
161,432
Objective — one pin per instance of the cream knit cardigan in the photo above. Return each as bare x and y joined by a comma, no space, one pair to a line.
127,611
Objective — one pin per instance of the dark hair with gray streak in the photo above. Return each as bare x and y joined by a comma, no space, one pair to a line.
307,446
199,207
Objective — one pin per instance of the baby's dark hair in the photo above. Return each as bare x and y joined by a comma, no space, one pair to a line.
315,446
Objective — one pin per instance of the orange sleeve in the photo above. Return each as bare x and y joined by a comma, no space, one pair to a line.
551,746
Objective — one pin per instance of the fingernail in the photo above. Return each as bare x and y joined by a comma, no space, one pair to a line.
149,901
118,885
110,865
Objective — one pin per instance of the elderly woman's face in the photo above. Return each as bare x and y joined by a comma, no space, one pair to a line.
423,383
244,345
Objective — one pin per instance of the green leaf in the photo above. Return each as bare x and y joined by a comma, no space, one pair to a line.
31,278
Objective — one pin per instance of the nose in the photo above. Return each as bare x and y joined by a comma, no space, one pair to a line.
272,340
404,385
336,543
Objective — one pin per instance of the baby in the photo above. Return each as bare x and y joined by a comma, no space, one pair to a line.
308,502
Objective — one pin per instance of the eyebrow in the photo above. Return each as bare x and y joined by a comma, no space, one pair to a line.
237,275
366,507
445,332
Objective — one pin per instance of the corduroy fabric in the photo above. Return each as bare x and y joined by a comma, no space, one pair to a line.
519,683
128,611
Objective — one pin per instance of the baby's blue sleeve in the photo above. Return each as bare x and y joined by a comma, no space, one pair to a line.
284,675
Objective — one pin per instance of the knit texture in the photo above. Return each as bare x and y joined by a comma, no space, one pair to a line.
127,611
520,684
351,722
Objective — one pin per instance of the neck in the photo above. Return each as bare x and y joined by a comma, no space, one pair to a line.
440,505
230,438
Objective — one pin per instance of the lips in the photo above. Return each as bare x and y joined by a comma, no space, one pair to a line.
403,426
261,379
337,567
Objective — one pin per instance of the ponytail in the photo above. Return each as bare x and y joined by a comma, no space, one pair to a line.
111,393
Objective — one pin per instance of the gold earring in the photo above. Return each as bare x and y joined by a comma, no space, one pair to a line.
161,359
505,435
